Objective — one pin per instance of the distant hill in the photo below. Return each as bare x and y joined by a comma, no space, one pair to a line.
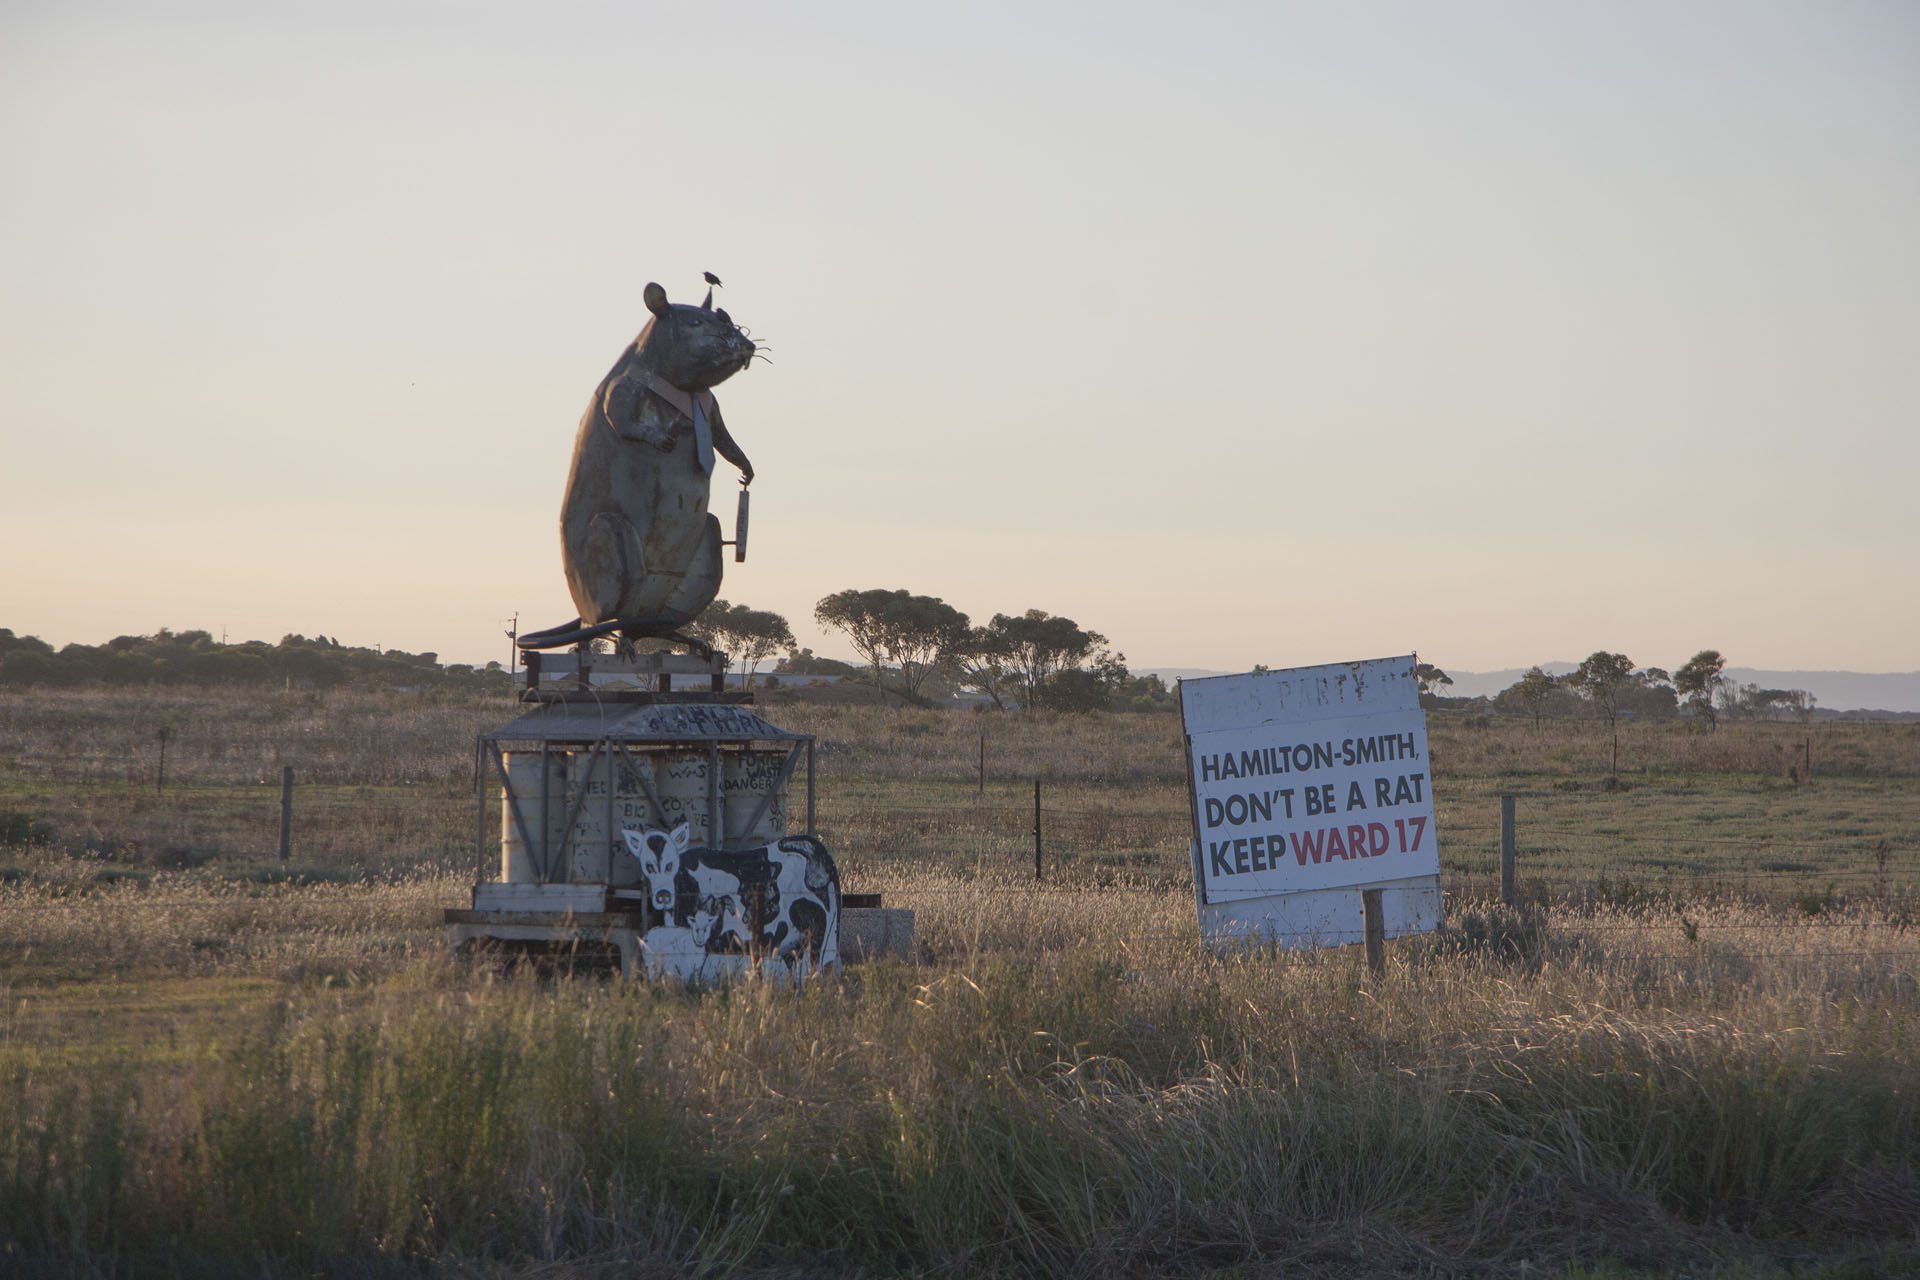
1897,691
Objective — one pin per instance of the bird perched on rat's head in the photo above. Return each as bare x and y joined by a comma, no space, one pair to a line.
713,282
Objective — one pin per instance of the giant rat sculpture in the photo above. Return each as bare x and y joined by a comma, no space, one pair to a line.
642,553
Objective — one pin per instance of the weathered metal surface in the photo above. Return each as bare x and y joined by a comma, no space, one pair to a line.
731,799
553,898
580,770
550,919
659,722
557,676
637,540
522,854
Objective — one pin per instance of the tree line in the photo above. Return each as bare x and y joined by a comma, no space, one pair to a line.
927,651
1610,684
915,643
197,658
918,646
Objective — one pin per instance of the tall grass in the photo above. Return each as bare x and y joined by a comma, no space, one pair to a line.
209,1068
1067,1088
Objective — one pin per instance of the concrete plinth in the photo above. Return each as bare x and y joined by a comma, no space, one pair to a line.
867,933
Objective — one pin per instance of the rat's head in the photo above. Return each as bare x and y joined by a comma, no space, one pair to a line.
692,347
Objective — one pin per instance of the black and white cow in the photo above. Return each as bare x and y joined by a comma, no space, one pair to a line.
708,897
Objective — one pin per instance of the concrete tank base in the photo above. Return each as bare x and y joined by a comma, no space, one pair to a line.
868,933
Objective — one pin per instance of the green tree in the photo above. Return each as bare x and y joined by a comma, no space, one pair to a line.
1771,703
749,636
1735,700
980,661
1605,677
805,662
1431,680
895,628
1532,692
1088,688
1650,694
1698,680
1075,689
1144,693
1037,644
27,666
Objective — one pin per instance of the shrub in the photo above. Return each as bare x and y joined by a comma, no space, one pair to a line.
19,830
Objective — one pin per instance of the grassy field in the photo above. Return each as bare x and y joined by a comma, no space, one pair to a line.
1692,1050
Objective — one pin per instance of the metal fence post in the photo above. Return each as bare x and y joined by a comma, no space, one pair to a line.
480,813
1036,829
1509,891
286,812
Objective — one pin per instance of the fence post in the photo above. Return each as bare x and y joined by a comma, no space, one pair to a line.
160,779
1036,829
1509,891
480,812
983,762
1376,931
286,812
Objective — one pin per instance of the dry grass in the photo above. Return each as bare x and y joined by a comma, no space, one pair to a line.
1067,1085
208,1070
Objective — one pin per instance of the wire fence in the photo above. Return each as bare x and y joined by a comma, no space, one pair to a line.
1772,888
1791,848
1558,856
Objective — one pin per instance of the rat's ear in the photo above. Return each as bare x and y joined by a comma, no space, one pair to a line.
708,304
656,299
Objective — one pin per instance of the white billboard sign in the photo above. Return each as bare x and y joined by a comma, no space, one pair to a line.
1308,785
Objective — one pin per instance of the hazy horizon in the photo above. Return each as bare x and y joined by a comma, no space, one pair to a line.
1281,334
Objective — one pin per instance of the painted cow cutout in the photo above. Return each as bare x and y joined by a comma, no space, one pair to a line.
710,898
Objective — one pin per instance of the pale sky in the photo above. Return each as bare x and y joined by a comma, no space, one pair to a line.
1275,333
